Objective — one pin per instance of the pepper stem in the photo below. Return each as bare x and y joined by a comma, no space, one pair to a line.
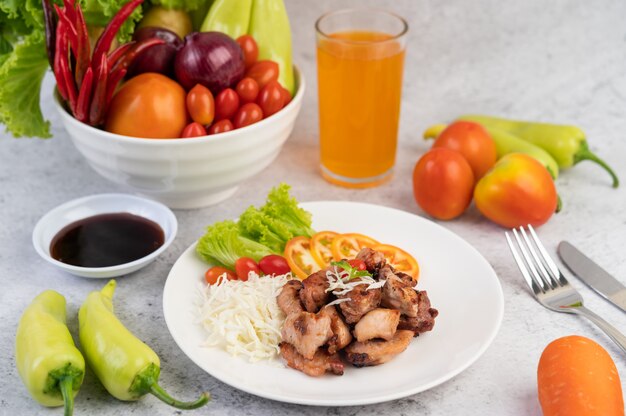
162,395
585,154
67,391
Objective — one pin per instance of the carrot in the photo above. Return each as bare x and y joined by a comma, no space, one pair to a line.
576,377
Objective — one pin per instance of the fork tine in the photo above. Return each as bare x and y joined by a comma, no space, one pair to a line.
540,265
552,267
522,267
545,285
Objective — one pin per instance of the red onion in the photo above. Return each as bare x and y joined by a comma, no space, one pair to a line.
212,59
159,58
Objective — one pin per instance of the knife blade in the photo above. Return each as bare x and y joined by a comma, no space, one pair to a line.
593,275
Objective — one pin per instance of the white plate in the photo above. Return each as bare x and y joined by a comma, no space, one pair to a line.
460,284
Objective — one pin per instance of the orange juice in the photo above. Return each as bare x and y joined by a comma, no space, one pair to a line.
360,84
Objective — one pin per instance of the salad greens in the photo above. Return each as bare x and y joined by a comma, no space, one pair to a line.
259,231
353,273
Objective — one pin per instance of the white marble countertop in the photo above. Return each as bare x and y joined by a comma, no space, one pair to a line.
562,60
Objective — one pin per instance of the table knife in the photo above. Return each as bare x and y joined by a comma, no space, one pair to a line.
593,275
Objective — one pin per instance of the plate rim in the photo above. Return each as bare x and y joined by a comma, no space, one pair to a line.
366,400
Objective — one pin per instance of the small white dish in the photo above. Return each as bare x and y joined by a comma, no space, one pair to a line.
58,218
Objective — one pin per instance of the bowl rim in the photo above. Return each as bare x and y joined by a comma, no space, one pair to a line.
44,252
181,141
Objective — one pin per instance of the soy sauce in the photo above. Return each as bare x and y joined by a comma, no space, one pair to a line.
106,240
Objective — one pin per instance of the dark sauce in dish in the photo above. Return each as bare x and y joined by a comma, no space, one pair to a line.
106,240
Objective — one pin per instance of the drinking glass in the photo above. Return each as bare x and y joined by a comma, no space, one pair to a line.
360,59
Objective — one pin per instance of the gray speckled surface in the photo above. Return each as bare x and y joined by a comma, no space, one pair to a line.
563,60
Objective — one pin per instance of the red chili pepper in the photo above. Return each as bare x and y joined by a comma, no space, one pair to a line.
114,78
136,49
63,65
106,39
84,97
57,67
83,52
70,10
50,21
98,102
118,53
70,29
69,82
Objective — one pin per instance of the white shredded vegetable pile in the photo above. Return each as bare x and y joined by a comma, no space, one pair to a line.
243,317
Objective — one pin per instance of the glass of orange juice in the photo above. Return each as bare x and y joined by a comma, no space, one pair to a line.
360,59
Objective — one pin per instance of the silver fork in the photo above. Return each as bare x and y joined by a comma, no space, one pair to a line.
548,284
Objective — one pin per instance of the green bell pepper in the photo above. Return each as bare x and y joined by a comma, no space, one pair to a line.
126,366
566,144
48,362
228,16
269,26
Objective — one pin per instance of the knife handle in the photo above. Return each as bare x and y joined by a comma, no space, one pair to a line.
608,329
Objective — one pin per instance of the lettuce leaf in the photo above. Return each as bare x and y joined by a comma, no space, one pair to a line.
223,244
283,207
21,75
186,5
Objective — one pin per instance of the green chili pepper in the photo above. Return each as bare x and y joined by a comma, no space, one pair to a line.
566,144
269,26
49,364
126,366
508,143
228,16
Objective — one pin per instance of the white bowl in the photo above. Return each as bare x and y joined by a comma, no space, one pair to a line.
186,173
56,219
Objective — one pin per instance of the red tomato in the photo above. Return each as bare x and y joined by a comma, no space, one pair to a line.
357,264
148,105
221,126
443,182
473,142
517,191
274,264
245,265
250,49
271,98
286,96
247,114
226,104
248,90
200,105
263,72
193,130
215,272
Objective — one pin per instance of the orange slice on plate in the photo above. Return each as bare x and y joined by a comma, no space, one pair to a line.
298,256
346,246
399,259
321,247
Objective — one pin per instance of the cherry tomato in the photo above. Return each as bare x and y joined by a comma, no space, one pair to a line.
473,142
247,114
274,264
250,49
263,72
226,104
286,96
215,272
298,256
245,265
271,98
399,259
193,130
201,105
443,182
221,126
357,264
347,246
320,247
247,89
149,105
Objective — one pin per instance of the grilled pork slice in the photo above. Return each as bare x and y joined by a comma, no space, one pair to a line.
321,362
377,323
398,293
289,297
313,293
306,332
341,332
375,352
361,302
425,319
373,260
